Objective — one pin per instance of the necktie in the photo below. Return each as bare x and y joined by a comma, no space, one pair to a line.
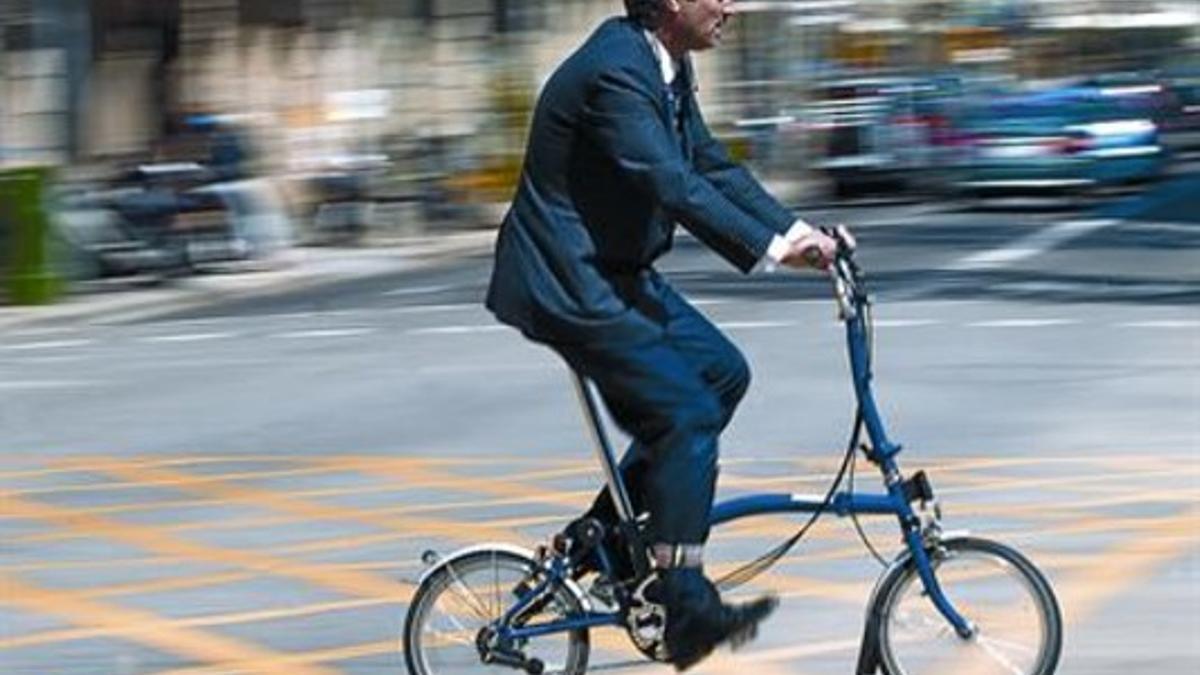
679,92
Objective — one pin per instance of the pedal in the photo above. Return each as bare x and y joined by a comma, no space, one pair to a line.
514,659
604,592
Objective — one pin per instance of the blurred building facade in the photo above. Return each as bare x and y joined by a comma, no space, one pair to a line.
87,79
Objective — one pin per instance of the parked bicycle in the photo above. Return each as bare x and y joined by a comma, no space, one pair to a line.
945,604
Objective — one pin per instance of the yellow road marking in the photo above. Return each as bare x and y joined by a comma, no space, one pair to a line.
75,463
226,492
509,486
760,527
813,460
307,658
1062,482
450,481
1075,481
793,586
68,634
433,458
149,629
342,543
1072,509
1127,564
760,662
349,489
157,561
135,485
283,519
1113,572
352,583
581,496
727,663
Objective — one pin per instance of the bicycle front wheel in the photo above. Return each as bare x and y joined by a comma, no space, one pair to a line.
995,588
457,604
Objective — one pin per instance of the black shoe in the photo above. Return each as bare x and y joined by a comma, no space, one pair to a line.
581,540
698,622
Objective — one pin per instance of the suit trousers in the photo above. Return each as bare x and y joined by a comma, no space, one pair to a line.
673,395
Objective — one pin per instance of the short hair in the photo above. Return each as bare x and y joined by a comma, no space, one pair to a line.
645,13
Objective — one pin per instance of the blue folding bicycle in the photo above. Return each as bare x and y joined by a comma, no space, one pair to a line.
945,605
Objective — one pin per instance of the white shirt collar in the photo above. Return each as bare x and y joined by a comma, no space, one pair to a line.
665,61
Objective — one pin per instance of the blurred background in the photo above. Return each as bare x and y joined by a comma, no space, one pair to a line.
185,133
247,378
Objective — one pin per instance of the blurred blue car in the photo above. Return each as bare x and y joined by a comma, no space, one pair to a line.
1066,139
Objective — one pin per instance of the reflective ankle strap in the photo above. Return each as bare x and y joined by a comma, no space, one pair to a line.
668,556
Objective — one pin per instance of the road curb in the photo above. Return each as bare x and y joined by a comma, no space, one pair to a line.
298,269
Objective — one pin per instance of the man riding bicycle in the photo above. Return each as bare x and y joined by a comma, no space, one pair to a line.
618,154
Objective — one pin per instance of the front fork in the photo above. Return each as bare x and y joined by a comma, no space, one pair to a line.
922,542
922,537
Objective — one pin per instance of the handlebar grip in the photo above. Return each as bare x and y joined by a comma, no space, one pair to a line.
845,241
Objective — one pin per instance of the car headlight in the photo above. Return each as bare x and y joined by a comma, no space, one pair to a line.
1116,128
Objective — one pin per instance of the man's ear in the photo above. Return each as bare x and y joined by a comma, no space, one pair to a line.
672,6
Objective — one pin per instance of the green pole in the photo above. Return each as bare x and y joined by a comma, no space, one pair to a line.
25,227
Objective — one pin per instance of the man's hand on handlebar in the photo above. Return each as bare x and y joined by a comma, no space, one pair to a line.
816,248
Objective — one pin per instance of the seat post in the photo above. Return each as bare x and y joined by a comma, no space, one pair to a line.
604,452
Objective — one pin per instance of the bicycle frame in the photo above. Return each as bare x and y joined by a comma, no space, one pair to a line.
853,303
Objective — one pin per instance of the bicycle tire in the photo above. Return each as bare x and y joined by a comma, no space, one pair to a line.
979,577
506,569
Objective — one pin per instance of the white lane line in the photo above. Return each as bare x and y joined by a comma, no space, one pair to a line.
50,344
1021,323
753,325
1032,245
1163,323
703,302
724,325
417,290
12,385
39,332
459,330
490,368
324,333
905,323
53,358
422,309
187,337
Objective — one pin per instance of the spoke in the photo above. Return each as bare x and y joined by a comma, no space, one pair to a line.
1009,645
916,620
469,597
457,624
1012,646
441,639
495,587
1000,658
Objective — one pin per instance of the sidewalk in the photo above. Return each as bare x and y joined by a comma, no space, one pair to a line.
298,268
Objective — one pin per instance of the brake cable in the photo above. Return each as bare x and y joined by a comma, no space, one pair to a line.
747,572
752,569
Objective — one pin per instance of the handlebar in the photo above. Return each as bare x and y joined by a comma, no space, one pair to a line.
849,290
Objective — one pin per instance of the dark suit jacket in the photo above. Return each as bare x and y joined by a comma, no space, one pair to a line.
606,177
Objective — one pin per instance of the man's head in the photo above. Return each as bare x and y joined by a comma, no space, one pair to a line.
683,25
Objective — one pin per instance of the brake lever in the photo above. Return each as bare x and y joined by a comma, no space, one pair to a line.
846,242
846,309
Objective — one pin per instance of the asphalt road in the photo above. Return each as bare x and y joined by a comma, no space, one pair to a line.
247,487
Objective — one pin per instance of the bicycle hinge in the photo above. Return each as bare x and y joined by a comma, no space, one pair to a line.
930,514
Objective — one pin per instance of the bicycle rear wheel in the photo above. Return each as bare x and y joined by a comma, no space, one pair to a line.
1017,620
456,604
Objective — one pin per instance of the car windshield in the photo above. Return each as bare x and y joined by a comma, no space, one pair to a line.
1033,114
